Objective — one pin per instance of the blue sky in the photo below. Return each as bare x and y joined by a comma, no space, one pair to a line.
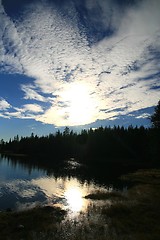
77,63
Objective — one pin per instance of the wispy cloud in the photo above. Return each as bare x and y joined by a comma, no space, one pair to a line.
55,50
32,108
4,104
31,93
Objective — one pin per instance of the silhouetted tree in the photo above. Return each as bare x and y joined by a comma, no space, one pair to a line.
155,118
101,145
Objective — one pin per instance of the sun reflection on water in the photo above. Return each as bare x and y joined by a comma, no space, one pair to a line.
74,199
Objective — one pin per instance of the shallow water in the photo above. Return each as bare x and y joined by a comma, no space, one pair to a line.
23,186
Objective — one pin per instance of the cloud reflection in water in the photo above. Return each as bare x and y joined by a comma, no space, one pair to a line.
67,193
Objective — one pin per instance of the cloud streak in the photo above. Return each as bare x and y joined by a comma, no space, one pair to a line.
118,70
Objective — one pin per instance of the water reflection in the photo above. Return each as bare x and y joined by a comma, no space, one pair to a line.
21,189
66,192
74,199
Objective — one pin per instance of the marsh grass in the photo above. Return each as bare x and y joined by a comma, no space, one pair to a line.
151,176
23,225
133,215
138,217
103,195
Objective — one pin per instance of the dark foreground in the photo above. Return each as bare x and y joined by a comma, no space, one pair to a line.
128,215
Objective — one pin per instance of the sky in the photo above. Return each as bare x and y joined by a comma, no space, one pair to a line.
77,63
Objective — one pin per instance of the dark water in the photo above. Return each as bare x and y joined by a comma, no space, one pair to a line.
24,186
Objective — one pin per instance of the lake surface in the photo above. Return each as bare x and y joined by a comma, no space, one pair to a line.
24,186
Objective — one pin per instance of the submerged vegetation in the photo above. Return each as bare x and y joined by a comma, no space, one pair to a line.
131,214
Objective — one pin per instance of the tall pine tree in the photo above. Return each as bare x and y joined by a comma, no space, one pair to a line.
155,118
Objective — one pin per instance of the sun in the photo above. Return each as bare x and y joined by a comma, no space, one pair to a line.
81,105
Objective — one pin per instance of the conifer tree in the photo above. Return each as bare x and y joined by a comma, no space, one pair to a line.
155,118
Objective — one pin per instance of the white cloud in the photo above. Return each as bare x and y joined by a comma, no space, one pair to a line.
4,104
34,108
27,111
144,115
9,44
31,93
4,116
50,48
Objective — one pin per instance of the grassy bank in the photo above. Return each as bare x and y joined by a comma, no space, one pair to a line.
30,224
133,214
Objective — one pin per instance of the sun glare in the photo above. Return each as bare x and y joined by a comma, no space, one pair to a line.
74,199
81,106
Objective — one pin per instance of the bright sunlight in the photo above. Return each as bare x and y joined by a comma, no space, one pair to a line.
74,199
81,105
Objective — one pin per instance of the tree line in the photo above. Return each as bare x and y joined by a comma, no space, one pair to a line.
103,144
90,145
